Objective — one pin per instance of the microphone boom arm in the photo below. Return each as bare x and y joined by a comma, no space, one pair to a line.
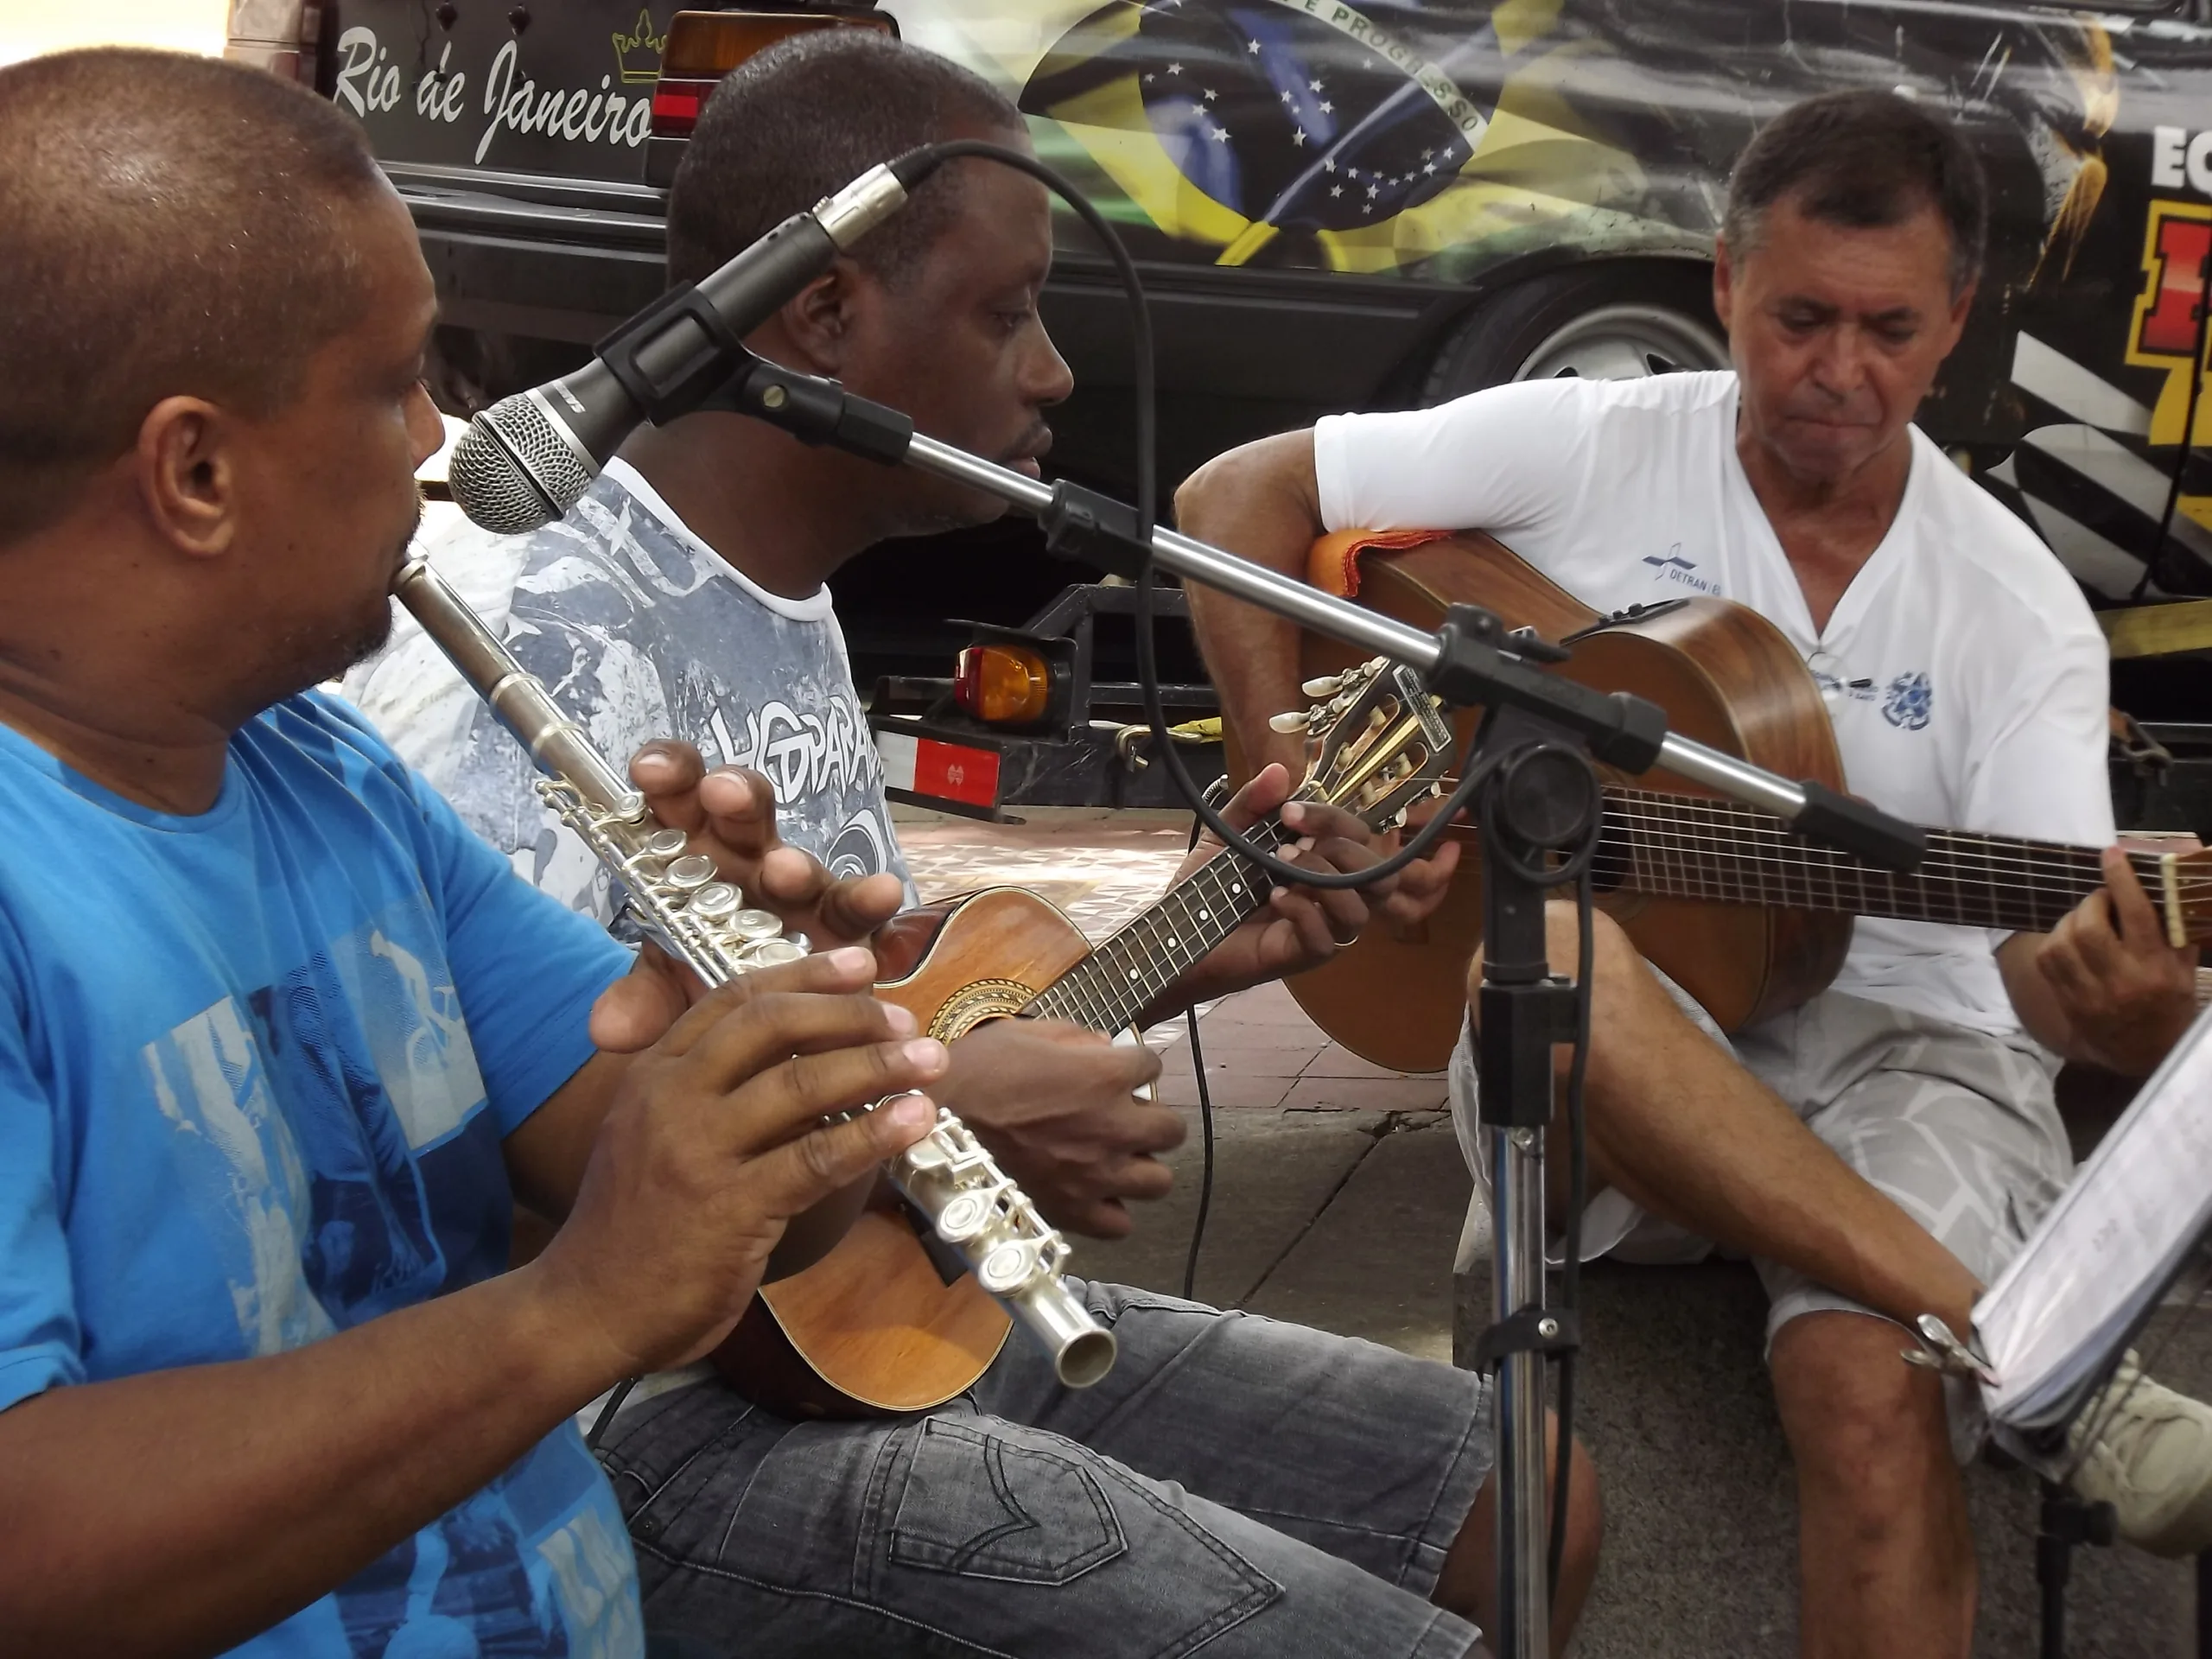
1469,662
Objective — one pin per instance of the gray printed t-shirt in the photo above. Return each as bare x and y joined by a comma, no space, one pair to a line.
640,631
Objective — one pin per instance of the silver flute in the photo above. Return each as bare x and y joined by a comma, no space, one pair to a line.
679,900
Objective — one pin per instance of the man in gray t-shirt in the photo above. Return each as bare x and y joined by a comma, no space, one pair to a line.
642,632
1245,1484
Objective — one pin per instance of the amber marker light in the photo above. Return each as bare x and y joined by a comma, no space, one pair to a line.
1002,685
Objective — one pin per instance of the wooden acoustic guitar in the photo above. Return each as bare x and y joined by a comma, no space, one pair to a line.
1744,916
884,1325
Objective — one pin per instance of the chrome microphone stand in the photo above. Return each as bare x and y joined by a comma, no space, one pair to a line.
1545,800
1542,799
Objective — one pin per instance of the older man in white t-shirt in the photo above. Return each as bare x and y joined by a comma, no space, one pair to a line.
1881,1150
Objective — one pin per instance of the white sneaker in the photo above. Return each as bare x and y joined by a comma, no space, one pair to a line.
2151,1461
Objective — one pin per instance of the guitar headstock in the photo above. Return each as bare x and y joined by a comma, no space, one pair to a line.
1377,742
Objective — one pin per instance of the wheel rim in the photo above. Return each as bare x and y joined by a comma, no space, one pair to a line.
1624,342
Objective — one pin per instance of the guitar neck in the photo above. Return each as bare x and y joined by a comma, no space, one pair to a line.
1691,846
1129,971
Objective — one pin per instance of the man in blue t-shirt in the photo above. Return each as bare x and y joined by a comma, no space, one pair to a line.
280,1044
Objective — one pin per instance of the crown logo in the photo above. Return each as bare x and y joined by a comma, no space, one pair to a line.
630,50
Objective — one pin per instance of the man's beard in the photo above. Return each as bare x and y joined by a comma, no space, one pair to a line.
939,505
323,656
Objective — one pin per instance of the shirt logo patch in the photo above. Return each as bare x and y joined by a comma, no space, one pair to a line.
1909,702
1674,568
1830,685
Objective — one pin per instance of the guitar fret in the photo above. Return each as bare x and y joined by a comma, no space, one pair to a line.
1130,970
1693,847
1724,858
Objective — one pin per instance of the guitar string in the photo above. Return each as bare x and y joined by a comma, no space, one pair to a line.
1664,832
1687,846
1143,984
1703,864
1105,991
1967,865
2016,856
1098,991
1143,987
1751,820
2049,863
1666,859
1946,860
1950,890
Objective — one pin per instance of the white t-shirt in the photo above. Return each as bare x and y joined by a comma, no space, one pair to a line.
1964,674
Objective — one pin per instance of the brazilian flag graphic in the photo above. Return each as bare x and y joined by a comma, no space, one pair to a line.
1306,132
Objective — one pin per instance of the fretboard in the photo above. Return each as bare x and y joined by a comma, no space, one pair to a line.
1126,975
1690,847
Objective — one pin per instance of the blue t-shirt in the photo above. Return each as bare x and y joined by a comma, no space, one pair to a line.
255,1070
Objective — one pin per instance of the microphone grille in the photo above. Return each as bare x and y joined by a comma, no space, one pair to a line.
511,471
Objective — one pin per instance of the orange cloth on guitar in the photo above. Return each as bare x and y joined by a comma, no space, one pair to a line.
1333,563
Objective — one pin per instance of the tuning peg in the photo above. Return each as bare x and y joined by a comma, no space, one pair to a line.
1326,686
1293,721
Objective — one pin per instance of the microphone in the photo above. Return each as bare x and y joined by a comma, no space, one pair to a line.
529,458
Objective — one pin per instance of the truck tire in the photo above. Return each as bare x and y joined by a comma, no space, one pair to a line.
1611,324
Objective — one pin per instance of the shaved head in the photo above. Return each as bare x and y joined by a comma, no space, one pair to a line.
175,226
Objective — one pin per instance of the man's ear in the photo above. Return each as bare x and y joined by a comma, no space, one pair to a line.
819,322
1723,281
188,476
1960,307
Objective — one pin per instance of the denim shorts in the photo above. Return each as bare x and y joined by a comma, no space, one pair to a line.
1236,1485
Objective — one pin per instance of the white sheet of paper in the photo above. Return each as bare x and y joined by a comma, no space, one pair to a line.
2107,1247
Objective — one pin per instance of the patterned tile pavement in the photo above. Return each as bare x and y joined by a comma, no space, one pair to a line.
1262,1052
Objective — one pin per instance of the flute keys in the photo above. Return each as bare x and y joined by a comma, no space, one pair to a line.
767,953
964,1215
1008,1268
690,872
717,902
665,843
756,926
925,1155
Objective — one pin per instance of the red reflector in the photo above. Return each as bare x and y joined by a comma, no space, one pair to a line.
676,104
951,771
702,47
957,774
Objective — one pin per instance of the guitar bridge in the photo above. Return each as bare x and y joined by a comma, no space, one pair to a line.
1633,613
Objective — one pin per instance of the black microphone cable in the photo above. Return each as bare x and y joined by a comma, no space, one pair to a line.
918,164
1475,775
1205,1129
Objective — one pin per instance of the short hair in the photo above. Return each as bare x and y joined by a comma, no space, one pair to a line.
168,227
805,117
1862,159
